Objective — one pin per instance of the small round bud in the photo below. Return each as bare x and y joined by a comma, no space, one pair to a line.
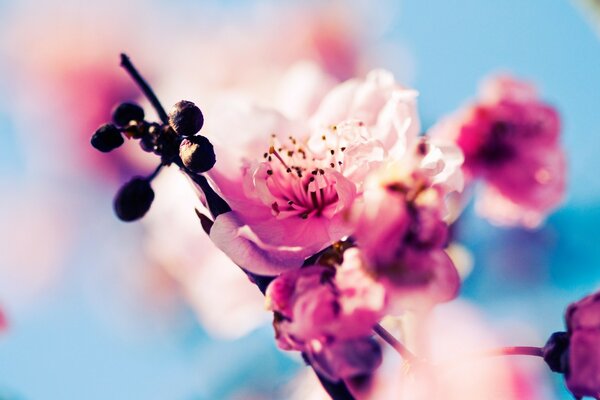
556,352
197,154
107,138
133,199
127,112
186,118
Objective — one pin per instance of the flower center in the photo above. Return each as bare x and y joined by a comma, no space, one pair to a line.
301,183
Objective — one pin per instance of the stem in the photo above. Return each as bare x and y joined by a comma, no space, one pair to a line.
511,351
337,390
395,343
146,89
499,352
216,204
156,171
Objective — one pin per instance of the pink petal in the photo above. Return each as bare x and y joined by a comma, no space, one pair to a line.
237,241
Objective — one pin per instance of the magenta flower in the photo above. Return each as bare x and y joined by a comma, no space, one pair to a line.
510,140
328,313
293,182
583,327
400,226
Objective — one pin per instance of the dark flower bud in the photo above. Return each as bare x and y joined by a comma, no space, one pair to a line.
127,112
197,154
134,199
186,118
107,138
556,351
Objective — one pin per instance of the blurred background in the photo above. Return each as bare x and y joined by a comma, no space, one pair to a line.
94,308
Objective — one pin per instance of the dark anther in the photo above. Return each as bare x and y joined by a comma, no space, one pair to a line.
556,352
107,138
197,154
134,199
186,118
127,112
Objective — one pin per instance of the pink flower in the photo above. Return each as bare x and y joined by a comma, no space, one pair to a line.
291,183
510,140
400,225
583,326
329,313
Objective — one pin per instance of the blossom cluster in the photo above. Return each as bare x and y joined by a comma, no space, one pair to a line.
342,215
358,171
355,171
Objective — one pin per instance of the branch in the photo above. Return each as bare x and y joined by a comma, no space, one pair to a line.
146,89
395,343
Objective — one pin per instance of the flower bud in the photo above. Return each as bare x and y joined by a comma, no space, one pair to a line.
127,112
555,352
186,118
133,199
197,154
107,138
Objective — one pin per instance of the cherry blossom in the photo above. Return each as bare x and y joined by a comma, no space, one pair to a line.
292,183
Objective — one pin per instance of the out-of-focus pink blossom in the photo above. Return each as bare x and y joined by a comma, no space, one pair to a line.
293,182
27,277
400,225
510,139
583,325
450,339
329,313
174,240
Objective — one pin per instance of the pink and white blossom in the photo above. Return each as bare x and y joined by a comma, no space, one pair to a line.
401,228
294,181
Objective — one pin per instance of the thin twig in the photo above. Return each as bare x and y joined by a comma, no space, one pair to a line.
146,89
156,171
395,343
509,351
